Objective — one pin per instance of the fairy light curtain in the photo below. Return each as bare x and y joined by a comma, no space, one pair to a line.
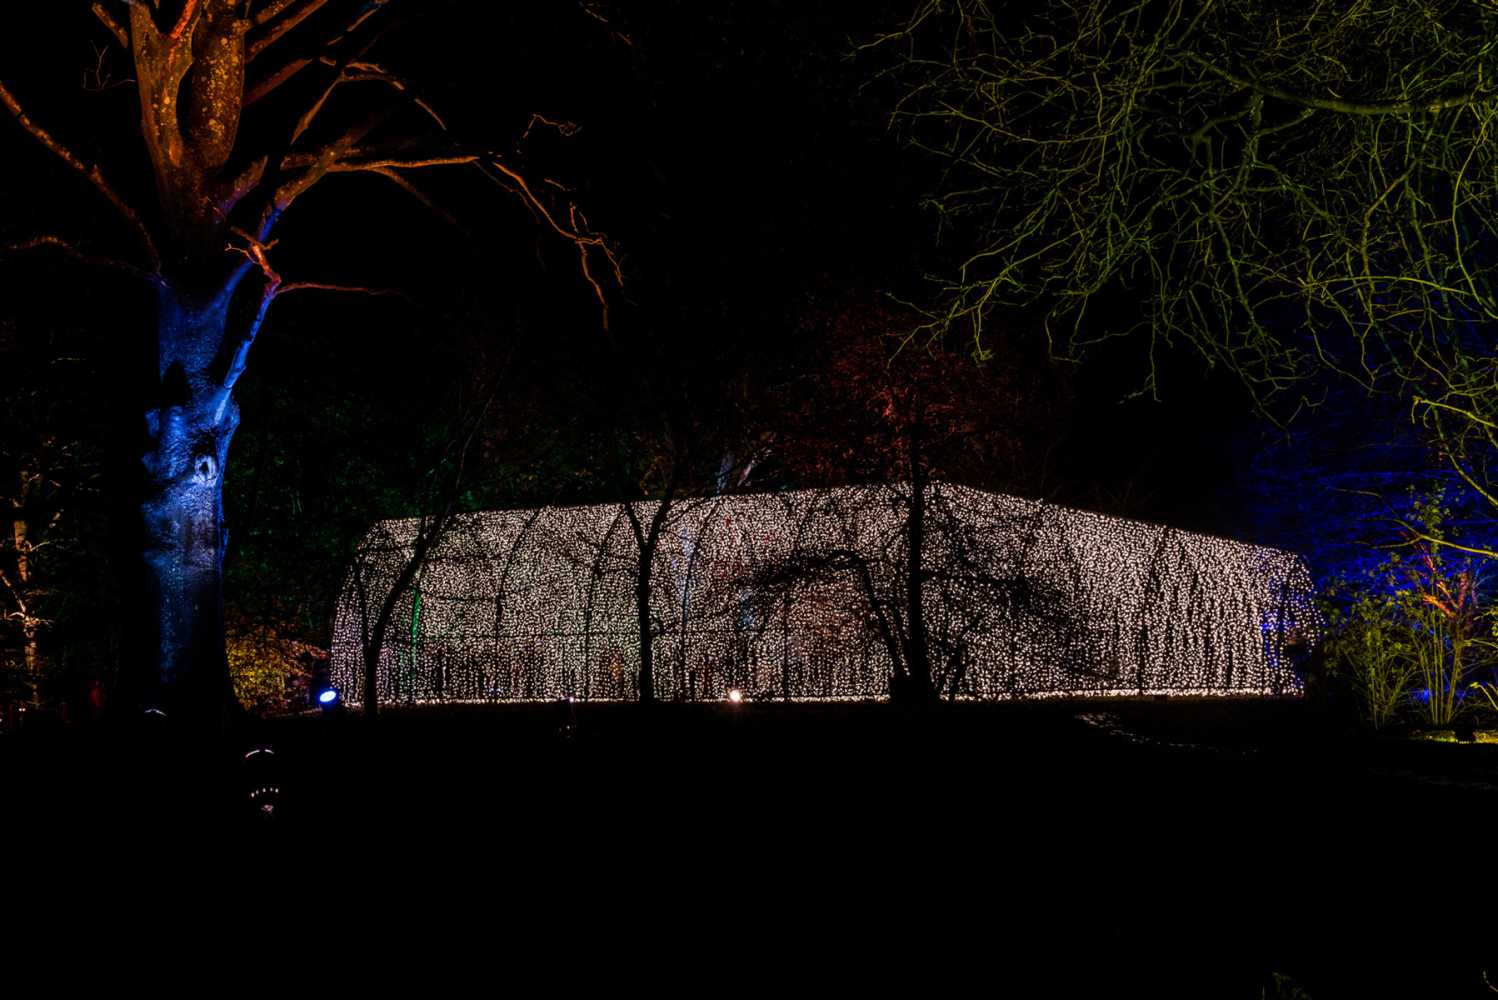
804,595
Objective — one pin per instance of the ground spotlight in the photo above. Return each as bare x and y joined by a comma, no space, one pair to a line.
735,695
327,698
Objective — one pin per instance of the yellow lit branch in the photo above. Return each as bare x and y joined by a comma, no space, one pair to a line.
1285,190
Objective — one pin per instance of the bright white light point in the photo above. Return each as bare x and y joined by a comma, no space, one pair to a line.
766,593
735,696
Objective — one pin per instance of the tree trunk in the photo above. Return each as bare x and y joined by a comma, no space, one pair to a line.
180,663
376,641
917,687
647,540
642,621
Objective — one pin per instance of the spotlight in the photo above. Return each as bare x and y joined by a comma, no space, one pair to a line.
735,695
328,698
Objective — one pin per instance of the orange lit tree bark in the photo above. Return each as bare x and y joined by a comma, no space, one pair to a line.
203,69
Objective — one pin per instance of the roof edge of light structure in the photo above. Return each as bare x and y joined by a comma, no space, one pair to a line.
888,488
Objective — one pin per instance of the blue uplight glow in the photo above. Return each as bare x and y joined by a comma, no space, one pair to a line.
328,697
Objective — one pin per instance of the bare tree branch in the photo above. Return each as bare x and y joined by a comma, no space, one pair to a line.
577,231
281,27
183,28
93,260
115,28
274,80
91,172
325,286
344,166
377,73
1406,107
294,66
415,192
272,10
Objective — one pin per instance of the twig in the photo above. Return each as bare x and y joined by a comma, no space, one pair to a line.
93,260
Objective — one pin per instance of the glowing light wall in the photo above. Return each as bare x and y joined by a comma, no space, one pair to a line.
783,596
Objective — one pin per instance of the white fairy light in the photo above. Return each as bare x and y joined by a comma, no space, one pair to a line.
783,595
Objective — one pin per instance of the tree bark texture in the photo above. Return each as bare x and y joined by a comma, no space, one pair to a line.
188,431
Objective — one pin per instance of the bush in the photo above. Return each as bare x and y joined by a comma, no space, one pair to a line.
270,671
1412,633
1369,661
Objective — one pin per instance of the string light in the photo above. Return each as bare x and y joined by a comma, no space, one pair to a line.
803,595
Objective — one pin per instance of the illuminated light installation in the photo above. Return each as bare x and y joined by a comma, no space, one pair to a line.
777,596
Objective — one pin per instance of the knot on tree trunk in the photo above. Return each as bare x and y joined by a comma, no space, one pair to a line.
205,470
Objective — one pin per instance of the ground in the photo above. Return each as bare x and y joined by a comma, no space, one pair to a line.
1112,848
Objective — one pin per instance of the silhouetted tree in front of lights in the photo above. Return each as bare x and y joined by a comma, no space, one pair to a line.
686,428
245,108
877,408
849,578
438,499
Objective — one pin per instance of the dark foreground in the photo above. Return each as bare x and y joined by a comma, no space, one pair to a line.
1189,848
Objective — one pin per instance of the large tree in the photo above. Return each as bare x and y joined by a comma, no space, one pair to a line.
245,107
1287,188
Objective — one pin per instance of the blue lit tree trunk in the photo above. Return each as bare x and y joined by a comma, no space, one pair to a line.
189,429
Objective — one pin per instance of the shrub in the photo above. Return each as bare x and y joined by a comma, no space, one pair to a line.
270,670
1368,659
1413,631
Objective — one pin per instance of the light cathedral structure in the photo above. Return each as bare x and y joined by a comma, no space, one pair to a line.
805,595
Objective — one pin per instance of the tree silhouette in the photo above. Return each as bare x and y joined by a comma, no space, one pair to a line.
879,409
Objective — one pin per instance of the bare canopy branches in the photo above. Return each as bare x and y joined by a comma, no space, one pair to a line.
1284,188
